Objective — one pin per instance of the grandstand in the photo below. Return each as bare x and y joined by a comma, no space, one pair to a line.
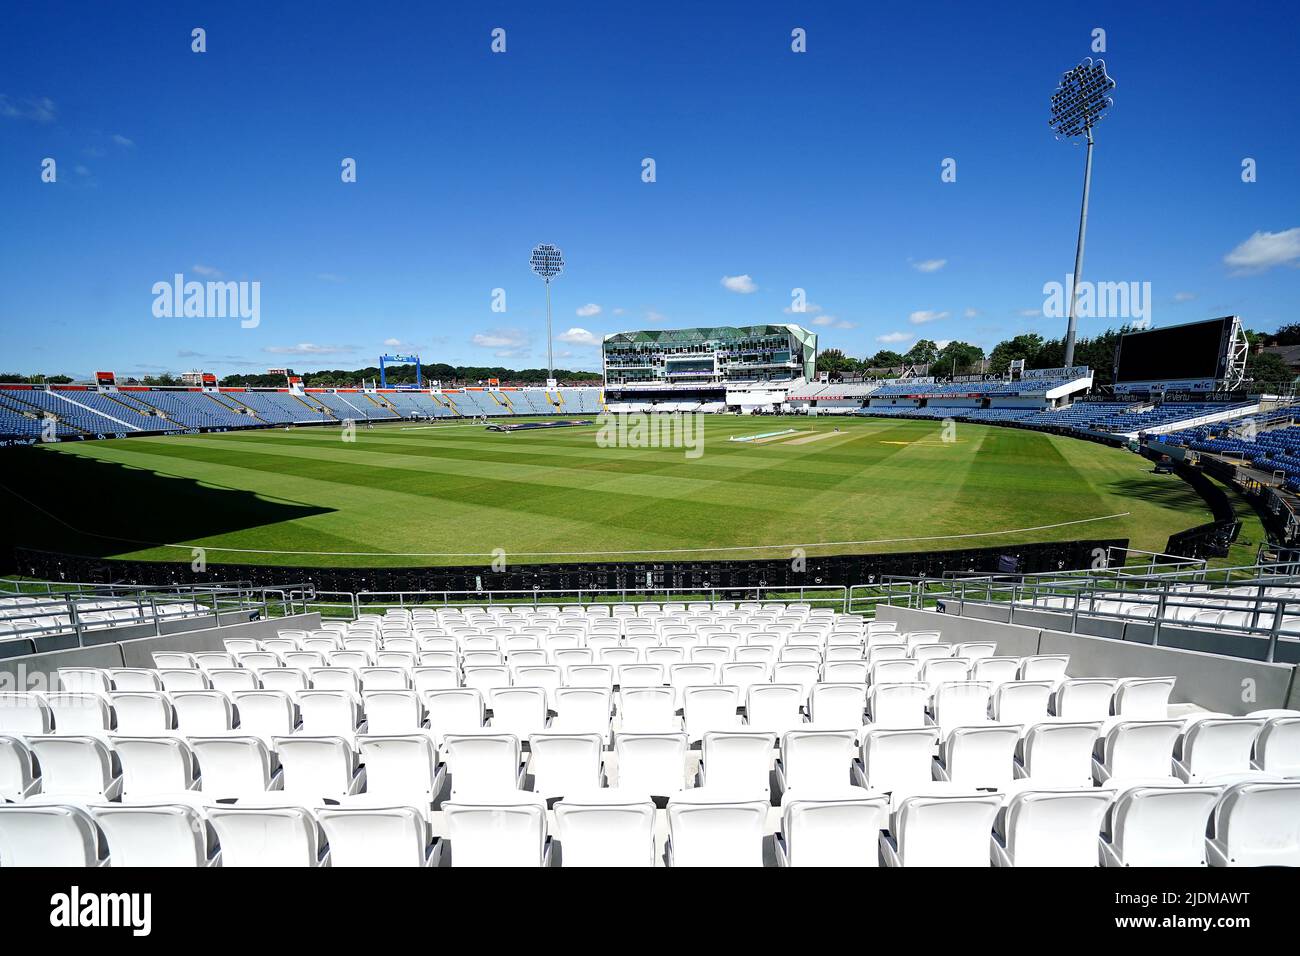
913,728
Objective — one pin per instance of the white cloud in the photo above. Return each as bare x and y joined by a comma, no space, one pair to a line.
808,308
585,311
81,170
1184,296
833,322
925,315
392,343
308,348
893,338
39,109
742,284
655,317
970,313
942,344
1031,313
618,311
576,336
122,141
500,339
203,270
1264,250
929,265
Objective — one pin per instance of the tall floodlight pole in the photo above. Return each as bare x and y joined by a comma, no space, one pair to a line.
1079,104
548,262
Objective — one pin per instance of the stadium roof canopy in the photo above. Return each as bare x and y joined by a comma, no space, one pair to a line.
717,333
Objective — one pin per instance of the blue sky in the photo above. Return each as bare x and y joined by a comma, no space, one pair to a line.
818,170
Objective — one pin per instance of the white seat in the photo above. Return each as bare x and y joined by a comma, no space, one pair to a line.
837,705
978,756
235,766
695,674
1050,827
19,778
287,679
743,674
803,673
581,710
155,765
1083,698
899,704
896,758
949,829
84,680
518,710
961,703
708,829
1044,667
50,835
330,713
647,710
1020,701
271,836
161,834
377,836
230,679
453,711
134,678
1215,745
485,678
929,652
402,768
202,713
142,713
640,675
77,766
1255,824
1057,753
1136,749
265,713
710,708
839,830
737,762
1143,698
319,767
975,650
1158,826
609,828
506,830
944,670
651,763
384,677
80,713
813,761
894,671
776,708
844,672
543,675
995,670
1277,747
482,764
434,677
561,764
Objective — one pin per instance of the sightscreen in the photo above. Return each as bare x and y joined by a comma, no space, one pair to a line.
1179,352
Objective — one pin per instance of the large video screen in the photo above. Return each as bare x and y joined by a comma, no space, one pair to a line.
1177,353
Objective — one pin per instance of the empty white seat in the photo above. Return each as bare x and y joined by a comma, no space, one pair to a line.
318,767
142,713
453,711
944,670
1136,750
1215,745
134,678
172,659
288,679
844,672
482,764
235,766
775,708
898,704
743,674
330,713
401,768
834,830
227,680
385,677
1143,698
434,678
1020,701
1050,827
710,708
948,829
77,766
894,671
50,835
543,675
84,680
580,710
929,652
202,713
1083,698
737,762
393,712
815,761
276,836
978,756
486,678
19,778
162,834
265,713
837,705
995,670
651,763
1058,753
694,674
508,829
961,703
609,828
1256,823
975,650
1158,826
708,829
896,758
647,710
377,836
563,764
155,765
1277,746
518,710
80,713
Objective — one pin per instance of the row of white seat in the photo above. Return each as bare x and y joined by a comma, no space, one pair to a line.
1249,819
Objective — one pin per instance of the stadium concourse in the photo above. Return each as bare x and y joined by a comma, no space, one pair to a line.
722,733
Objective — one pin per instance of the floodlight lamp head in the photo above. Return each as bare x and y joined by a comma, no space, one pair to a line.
547,261
1082,99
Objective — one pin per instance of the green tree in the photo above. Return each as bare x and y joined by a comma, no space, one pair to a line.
922,353
1025,346
1267,371
958,358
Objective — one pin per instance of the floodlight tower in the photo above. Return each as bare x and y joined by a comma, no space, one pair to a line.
1080,103
548,262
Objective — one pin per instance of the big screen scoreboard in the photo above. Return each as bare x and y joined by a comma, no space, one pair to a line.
1192,357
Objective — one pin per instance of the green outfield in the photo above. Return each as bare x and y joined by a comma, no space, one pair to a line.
454,493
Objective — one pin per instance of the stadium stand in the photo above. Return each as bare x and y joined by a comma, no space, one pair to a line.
639,735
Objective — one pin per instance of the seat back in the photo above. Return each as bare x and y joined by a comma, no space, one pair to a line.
317,767
1055,827
1258,824
18,777
710,708
612,831
652,763
1060,754
565,763
391,712
1021,701
836,832
949,830
518,710
900,704
203,713
233,766
63,836
482,764
737,762
709,831
1277,748
165,834
142,713
817,760
1143,698
154,765
267,836
375,836
1140,749
75,766
1218,745
1084,698
80,713
898,758
400,767
981,756
496,833
1162,826
647,709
